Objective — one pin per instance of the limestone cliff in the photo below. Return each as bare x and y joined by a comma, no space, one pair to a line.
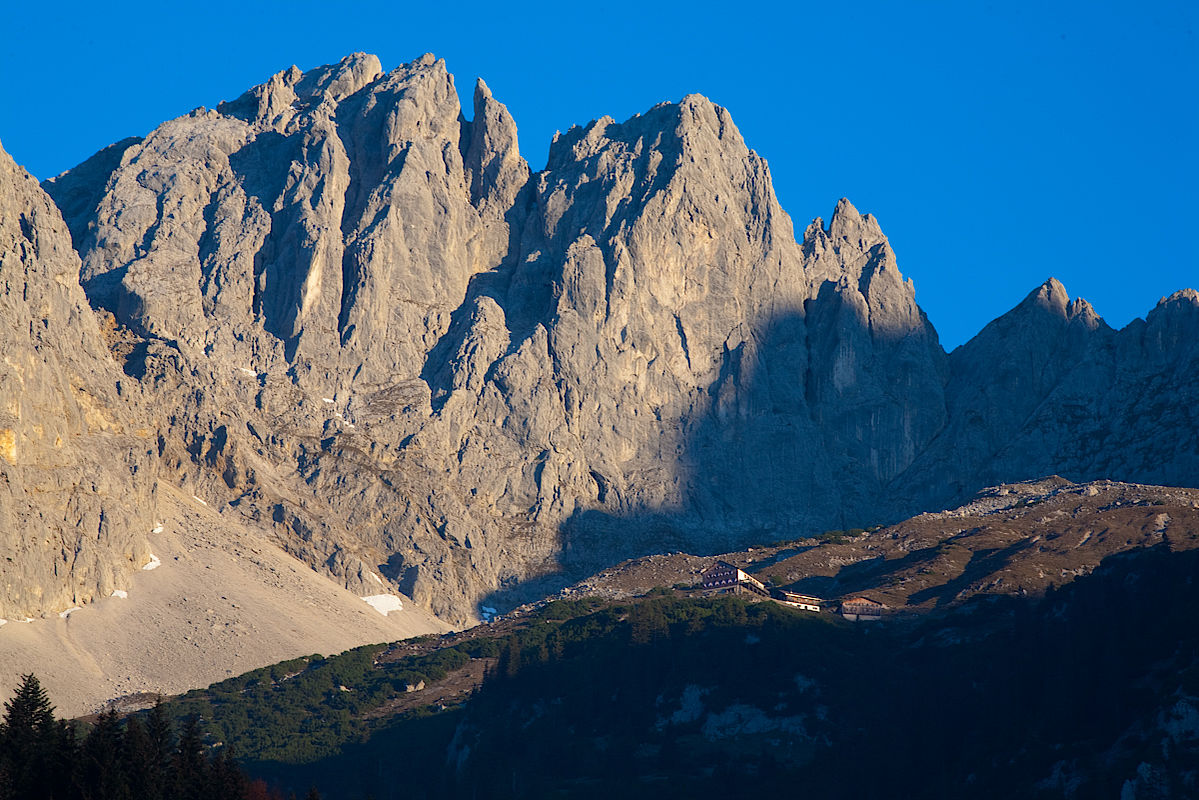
77,463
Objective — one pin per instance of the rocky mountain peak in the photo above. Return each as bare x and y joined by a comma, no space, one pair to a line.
1051,297
848,225
494,167
1184,301
276,102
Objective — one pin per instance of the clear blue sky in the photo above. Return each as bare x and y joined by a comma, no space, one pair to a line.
997,143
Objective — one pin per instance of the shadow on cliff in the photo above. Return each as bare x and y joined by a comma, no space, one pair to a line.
756,467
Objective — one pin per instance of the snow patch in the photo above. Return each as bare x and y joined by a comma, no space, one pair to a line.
488,613
3,622
121,593
327,400
198,500
377,578
248,371
69,611
153,563
384,603
157,529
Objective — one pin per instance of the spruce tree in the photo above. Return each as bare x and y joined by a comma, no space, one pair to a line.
28,742
190,767
149,747
103,766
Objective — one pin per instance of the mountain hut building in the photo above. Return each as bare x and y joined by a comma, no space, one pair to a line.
724,577
862,609
805,602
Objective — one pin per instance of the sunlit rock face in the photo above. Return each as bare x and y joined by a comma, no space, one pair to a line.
77,461
367,326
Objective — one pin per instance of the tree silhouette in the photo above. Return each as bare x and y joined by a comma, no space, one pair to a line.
29,739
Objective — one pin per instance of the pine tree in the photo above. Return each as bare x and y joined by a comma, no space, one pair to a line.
149,746
28,742
227,781
189,765
103,766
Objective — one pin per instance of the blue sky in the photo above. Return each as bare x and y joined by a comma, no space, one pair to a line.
997,143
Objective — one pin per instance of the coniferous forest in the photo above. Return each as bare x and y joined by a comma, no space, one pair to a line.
136,758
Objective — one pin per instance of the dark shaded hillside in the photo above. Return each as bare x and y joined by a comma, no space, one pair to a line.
1084,692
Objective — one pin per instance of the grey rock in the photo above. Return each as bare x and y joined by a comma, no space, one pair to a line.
77,461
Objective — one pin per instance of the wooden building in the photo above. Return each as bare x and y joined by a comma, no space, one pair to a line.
724,577
862,609
803,601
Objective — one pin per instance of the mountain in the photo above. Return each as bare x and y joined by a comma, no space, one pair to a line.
366,329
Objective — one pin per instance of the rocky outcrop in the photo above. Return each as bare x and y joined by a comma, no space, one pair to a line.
369,329
1050,388
77,463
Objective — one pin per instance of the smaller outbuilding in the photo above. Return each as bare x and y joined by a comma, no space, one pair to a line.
862,609
802,601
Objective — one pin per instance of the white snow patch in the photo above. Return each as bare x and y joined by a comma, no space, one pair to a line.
27,620
198,500
384,603
121,593
327,400
69,611
157,528
154,562
3,622
248,371
377,578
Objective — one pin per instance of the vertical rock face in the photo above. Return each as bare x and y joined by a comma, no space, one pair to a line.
76,466
877,376
368,328
289,260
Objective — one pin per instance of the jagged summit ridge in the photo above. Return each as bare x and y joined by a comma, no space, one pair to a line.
371,329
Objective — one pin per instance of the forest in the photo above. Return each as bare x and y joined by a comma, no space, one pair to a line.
139,757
